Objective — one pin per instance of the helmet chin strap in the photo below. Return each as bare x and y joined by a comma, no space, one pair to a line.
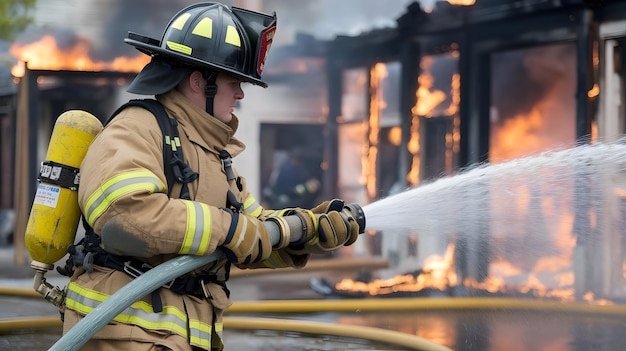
210,89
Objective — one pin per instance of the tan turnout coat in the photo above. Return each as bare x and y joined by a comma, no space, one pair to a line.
123,191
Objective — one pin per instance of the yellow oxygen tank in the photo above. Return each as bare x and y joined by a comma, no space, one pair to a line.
55,214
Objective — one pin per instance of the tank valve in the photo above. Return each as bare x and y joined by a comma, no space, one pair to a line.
52,294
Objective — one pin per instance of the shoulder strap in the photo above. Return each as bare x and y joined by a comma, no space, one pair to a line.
178,170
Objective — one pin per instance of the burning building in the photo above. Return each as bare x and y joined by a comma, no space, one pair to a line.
460,86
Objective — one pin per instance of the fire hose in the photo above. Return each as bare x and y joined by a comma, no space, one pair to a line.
154,279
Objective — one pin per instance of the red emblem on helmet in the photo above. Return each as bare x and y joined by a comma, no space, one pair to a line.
267,36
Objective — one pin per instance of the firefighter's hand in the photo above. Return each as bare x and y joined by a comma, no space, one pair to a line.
337,205
335,228
247,240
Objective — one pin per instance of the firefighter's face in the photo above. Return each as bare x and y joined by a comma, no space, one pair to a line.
228,92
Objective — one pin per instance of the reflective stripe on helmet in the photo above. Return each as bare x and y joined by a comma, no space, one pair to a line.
232,36
204,28
119,186
179,23
198,232
179,47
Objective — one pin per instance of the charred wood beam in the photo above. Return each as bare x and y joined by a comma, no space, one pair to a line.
331,135
587,45
410,59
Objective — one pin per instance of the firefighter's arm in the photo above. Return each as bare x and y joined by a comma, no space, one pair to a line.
124,198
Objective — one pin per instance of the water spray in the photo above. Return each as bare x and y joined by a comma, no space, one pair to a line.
542,215
455,198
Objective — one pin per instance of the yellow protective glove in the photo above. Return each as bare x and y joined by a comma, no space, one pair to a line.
336,227
337,205
247,240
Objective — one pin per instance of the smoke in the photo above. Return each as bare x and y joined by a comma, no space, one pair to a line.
522,78
146,17
105,23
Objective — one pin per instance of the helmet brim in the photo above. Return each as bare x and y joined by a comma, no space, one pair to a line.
147,48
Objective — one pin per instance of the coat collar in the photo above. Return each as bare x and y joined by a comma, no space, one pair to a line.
200,127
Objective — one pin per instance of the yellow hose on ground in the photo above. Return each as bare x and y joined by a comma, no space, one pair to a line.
421,304
411,342
13,324
21,292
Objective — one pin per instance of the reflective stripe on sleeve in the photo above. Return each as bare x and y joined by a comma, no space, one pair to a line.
252,207
120,186
198,231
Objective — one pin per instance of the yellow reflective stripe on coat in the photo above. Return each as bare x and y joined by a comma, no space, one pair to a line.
120,186
199,334
252,207
140,313
198,231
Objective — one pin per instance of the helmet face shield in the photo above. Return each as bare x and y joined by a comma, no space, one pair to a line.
214,36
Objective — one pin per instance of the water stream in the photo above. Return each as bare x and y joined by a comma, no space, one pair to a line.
585,173
532,211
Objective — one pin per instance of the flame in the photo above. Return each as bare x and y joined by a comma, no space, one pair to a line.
430,104
438,273
377,104
427,99
45,54
462,2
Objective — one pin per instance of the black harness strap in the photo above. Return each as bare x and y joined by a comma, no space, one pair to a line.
176,170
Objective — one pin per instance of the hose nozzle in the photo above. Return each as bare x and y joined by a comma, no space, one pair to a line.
357,212
293,224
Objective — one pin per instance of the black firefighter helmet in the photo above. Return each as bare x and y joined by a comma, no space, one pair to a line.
206,35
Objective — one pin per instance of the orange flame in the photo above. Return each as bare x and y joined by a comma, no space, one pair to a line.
45,54
438,273
462,2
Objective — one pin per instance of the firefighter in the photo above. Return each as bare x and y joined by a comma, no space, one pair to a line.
296,181
196,70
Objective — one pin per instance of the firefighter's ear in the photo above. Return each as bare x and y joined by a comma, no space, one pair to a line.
196,82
